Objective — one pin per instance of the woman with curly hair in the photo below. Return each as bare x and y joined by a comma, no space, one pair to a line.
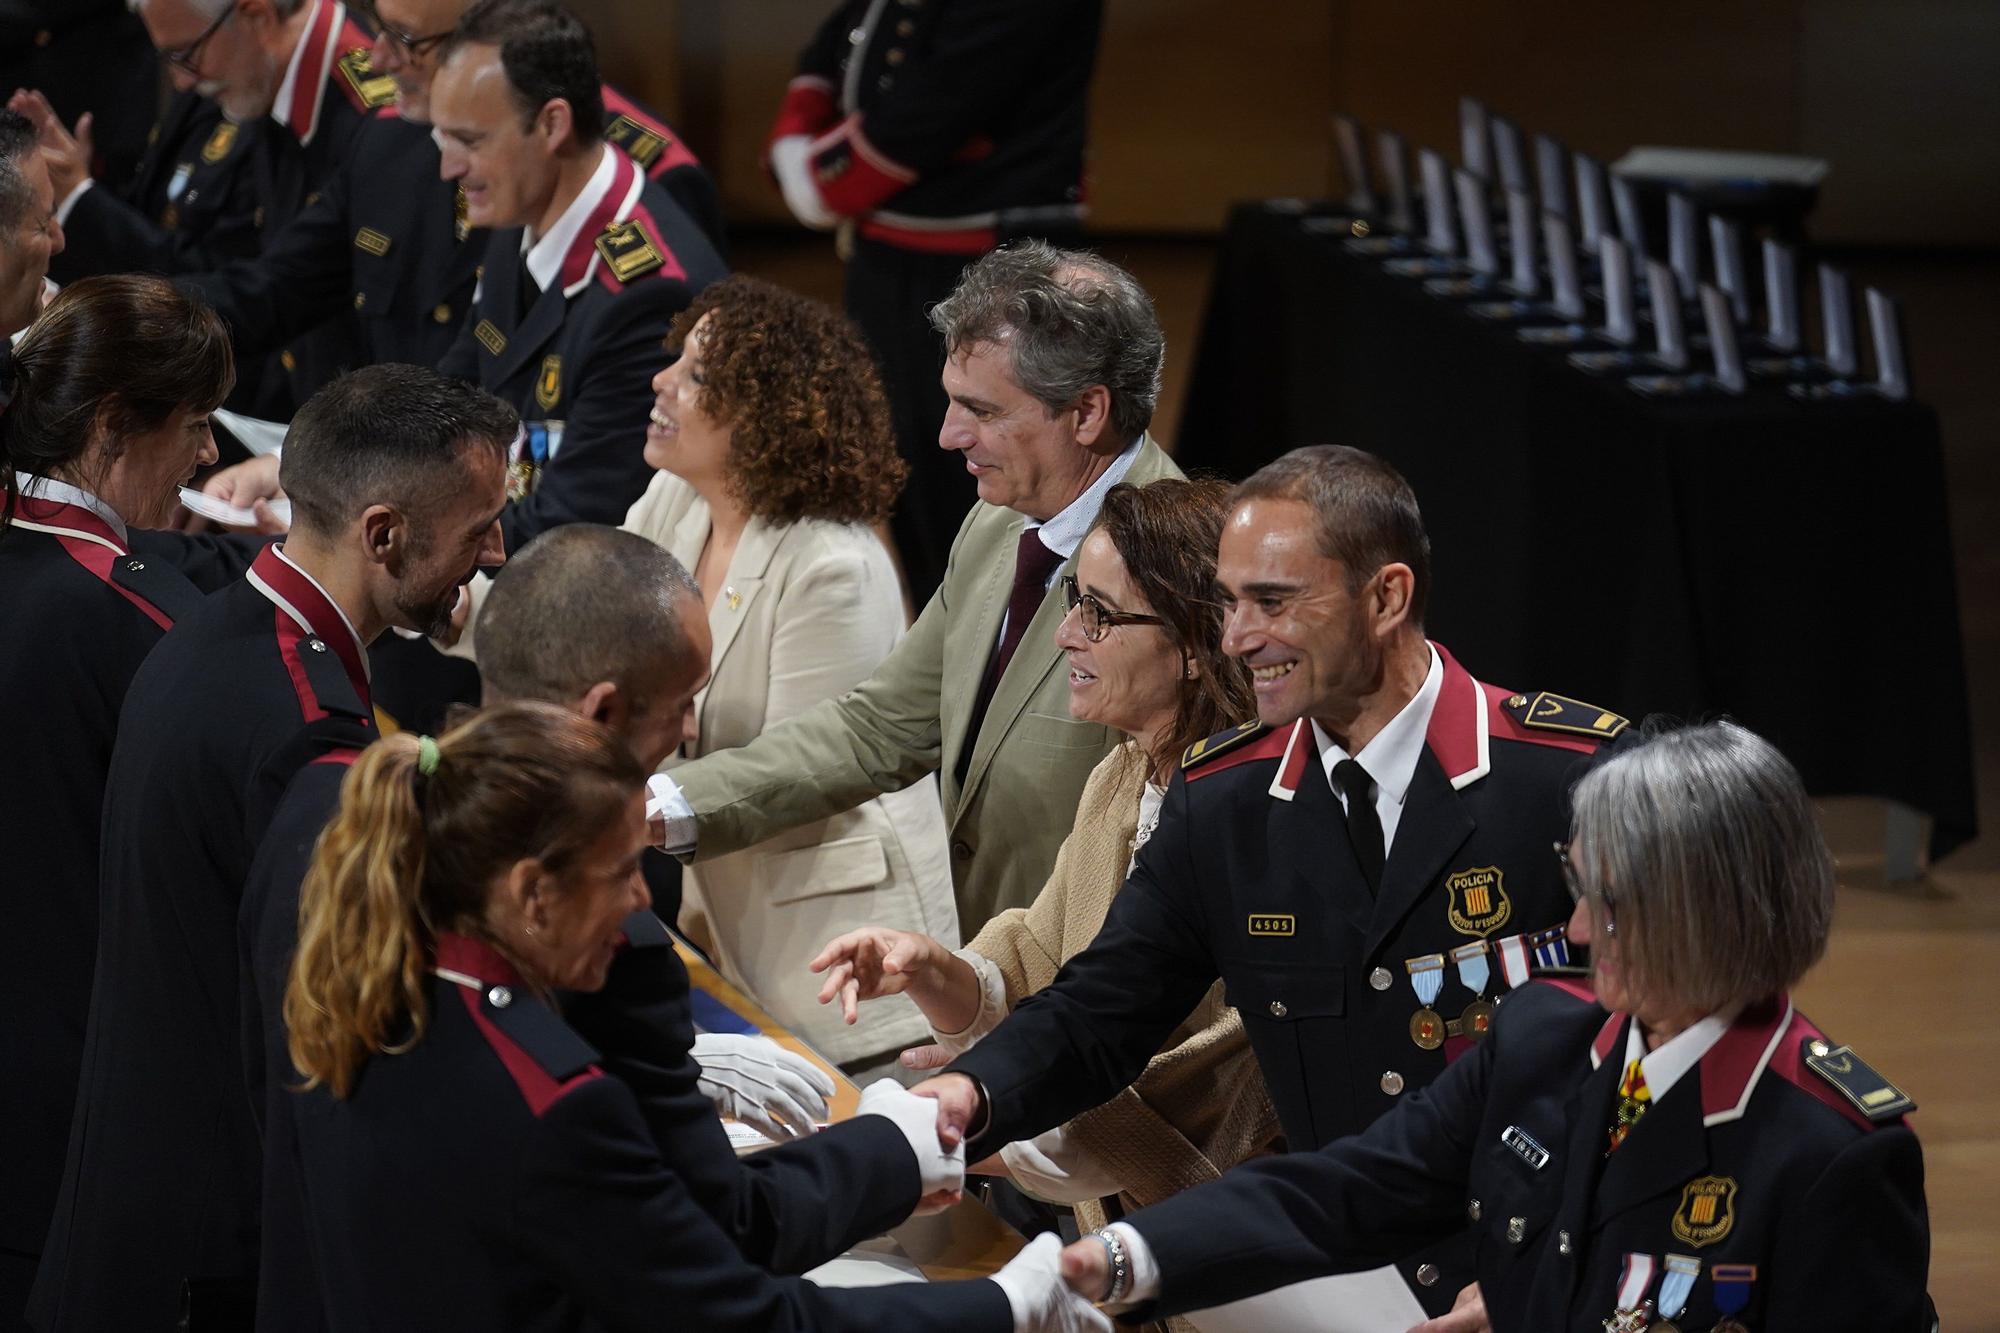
771,433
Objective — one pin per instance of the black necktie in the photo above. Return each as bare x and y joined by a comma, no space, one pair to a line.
1033,563
1364,827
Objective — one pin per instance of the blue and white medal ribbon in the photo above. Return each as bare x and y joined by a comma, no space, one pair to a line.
1473,969
1678,1284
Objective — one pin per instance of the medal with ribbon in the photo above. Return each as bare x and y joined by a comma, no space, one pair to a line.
1475,971
1426,979
1515,964
1732,1293
1550,947
1675,1287
1635,1312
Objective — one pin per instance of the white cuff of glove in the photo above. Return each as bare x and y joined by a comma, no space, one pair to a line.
1039,1298
758,1082
917,1118
669,816
791,163
1145,1268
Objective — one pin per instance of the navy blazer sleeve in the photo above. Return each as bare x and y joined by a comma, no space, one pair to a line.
597,1205
299,280
1089,1033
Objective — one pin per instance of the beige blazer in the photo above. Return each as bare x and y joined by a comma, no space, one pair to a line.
808,611
1026,767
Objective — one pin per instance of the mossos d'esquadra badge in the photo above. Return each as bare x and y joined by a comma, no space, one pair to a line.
1476,900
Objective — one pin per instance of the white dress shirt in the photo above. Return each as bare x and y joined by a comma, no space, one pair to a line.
1390,759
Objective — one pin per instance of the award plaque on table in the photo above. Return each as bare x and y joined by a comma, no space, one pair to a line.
1725,248
1684,244
1523,284
1836,317
1670,349
1508,158
1358,194
1482,253
1552,176
1593,209
1475,146
1781,319
1441,233
1392,165
1567,303
1892,363
1721,326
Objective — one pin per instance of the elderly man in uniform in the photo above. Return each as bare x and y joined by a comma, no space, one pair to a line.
390,238
1367,865
930,133
1054,371
30,235
397,477
269,97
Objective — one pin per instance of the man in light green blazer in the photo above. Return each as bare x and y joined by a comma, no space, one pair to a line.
1053,371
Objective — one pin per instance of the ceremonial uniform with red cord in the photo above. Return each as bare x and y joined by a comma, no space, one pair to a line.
570,331
936,130
1774,1186
157,1214
1352,999
81,613
190,215
388,241
499,1175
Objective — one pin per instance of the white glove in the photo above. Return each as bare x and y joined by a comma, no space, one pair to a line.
917,1117
753,1079
791,164
1041,1302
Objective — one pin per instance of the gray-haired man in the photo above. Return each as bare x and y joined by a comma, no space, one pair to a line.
1053,371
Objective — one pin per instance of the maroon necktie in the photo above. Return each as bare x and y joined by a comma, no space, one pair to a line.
1033,563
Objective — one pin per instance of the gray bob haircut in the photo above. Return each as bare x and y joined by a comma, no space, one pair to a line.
1721,885
1072,320
580,604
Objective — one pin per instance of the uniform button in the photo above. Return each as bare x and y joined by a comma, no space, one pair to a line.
360,299
856,36
1820,1048
895,56
1427,1275
1517,1227
288,360
906,27
442,314
1472,1210
135,566
1562,1242
1380,979
961,849
1278,1009
1517,701
886,82
316,645
499,997
1392,1083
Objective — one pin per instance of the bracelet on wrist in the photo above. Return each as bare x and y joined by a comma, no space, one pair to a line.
1121,1266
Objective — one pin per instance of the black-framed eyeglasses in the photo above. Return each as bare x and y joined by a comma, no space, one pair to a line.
183,58
1095,619
1600,901
409,45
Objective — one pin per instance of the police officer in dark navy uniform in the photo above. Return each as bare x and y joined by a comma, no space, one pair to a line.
389,238
397,477
82,611
586,266
1367,867
288,86
931,133
1669,1145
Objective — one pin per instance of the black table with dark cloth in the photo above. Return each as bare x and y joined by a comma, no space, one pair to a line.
1786,564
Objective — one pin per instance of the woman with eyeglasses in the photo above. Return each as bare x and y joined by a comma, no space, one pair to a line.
1143,639
1667,1145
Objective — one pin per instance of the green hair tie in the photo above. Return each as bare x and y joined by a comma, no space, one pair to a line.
427,755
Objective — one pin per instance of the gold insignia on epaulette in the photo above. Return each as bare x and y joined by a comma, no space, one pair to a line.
1214,745
1867,1091
490,337
1555,712
1273,924
1707,1210
219,143
374,90
629,251
641,144
548,385
372,241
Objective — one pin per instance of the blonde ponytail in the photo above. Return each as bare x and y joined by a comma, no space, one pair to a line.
357,983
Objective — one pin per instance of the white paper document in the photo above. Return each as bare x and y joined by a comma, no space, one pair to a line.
221,511
259,436
1378,1301
872,1263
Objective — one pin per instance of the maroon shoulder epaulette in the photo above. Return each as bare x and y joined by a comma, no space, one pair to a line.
1552,719
632,249
545,1058
1240,744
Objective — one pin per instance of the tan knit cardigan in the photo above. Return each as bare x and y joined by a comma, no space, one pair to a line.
1200,1107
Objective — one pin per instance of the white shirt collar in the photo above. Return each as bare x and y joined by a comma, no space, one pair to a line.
1391,757
367,668
544,256
1066,531
281,110
1664,1066
61,492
